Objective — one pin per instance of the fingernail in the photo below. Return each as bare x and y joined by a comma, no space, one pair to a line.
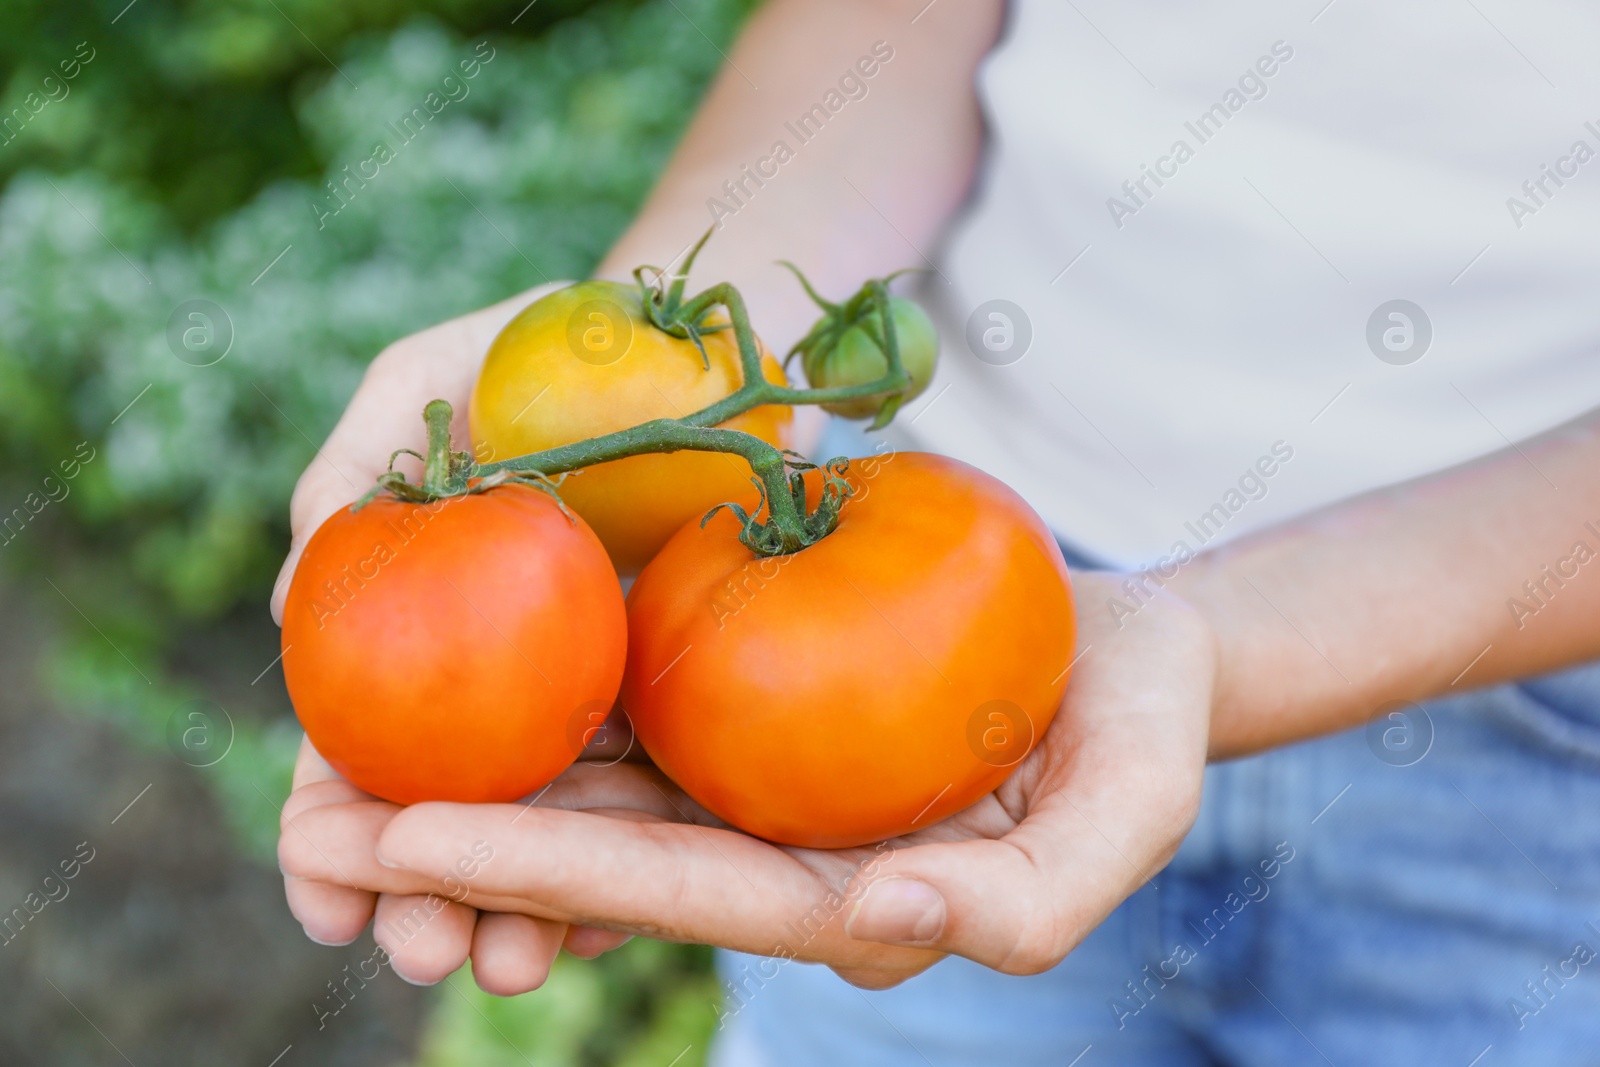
411,981
387,862
899,910
326,944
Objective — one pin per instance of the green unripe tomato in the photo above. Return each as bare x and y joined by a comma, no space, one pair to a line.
857,359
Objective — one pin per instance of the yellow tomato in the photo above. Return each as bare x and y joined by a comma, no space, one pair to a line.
585,361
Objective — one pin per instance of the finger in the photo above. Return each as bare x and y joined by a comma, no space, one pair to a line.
672,881
426,937
385,414
336,844
331,829
511,953
585,942
330,914
886,974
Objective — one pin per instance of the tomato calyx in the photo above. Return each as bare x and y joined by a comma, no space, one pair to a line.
666,310
770,538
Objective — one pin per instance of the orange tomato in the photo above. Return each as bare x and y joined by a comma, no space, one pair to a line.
459,650
585,361
874,683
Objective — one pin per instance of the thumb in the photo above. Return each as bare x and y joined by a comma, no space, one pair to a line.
1015,905
900,911
322,491
317,497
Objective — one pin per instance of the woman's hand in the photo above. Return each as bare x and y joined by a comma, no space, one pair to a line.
1014,882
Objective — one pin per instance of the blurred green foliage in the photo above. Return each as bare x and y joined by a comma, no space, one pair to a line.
201,97
646,1004
186,161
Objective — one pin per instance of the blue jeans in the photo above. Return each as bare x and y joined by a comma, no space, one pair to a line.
1425,890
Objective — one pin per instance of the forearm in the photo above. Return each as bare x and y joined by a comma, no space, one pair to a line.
863,195
1406,593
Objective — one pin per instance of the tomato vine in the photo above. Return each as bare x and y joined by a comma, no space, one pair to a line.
779,475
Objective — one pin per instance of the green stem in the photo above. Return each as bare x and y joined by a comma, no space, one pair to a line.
788,526
436,470
665,435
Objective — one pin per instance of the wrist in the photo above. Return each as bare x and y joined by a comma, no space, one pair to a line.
1270,687
1117,608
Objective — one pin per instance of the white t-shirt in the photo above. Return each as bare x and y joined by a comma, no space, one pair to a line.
1201,362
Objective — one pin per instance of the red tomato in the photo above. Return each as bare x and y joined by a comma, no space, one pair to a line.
874,683
454,650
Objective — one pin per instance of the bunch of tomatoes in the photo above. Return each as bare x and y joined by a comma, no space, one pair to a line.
468,646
